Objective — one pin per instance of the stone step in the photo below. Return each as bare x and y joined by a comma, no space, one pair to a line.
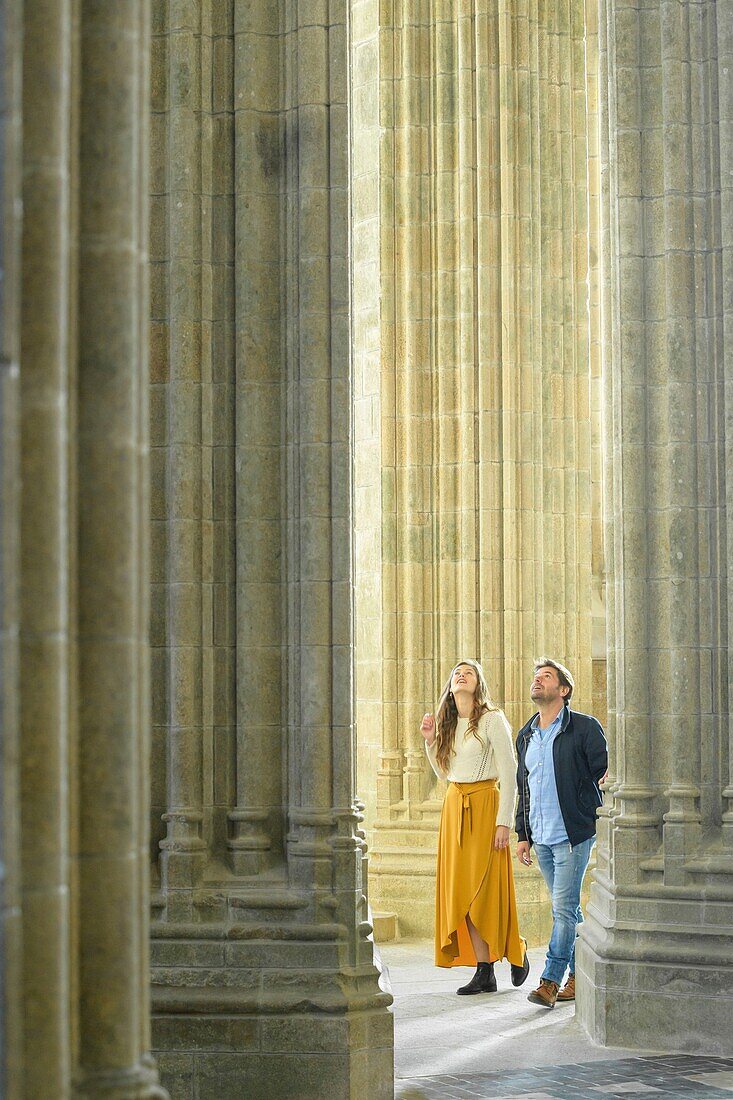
383,839
385,927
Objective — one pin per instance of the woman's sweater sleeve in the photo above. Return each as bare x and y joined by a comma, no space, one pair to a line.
500,735
431,752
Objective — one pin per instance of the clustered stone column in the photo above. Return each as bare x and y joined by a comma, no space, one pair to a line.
74,552
655,957
485,399
262,968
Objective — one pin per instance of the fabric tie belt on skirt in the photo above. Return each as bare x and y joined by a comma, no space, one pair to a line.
465,790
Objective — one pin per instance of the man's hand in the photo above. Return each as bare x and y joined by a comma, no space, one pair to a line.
523,853
501,836
427,728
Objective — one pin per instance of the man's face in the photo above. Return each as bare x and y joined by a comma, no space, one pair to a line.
545,688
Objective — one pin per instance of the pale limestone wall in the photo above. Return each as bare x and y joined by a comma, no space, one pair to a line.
661,904
490,375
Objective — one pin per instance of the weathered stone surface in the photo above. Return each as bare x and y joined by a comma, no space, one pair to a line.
254,623
75,681
477,475
375,405
664,842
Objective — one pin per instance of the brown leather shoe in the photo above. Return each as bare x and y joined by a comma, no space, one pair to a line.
567,993
545,994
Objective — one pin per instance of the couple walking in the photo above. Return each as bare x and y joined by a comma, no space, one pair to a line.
561,756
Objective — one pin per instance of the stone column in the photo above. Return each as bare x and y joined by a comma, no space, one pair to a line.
11,943
659,918
606,329
324,842
180,614
379,762
47,666
486,386
725,79
263,972
256,831
112,586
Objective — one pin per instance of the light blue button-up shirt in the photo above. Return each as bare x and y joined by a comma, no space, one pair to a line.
545,816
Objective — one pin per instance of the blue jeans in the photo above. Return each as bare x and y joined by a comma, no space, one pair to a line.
563,868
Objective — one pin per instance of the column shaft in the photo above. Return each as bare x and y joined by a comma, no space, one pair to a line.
184,847
47,550
602,210
256,830
11,930
662,857
725,102
684,384
111,580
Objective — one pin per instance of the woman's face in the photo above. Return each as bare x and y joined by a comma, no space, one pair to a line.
464,678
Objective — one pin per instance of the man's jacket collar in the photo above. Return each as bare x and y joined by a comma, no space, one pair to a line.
564,725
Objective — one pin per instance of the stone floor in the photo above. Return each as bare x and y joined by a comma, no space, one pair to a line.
499,1045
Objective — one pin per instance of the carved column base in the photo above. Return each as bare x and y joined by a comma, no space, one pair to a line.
139,1082
266,1004
250,845
182,852
655,966
728,819
389,780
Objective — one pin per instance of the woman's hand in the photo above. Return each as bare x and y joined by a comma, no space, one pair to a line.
501,836
427,728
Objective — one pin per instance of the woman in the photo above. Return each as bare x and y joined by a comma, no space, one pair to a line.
470,745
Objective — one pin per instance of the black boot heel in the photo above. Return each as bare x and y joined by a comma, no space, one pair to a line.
483,981
519,973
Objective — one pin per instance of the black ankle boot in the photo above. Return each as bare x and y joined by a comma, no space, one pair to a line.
483,980
519,973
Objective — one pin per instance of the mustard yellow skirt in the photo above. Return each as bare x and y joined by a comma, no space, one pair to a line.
474,880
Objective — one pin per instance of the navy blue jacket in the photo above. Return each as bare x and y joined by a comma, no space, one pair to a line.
580,756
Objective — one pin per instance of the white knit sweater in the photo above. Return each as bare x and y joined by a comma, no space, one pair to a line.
491,757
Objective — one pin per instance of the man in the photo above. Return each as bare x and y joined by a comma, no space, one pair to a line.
562,755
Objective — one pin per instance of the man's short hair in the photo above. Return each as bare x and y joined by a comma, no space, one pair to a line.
563,674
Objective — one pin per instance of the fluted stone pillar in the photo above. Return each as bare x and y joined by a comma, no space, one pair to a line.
75,687
485,400
263,974
112,557
655,956
47,667
11,932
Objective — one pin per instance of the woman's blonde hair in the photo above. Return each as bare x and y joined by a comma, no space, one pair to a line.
447,713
